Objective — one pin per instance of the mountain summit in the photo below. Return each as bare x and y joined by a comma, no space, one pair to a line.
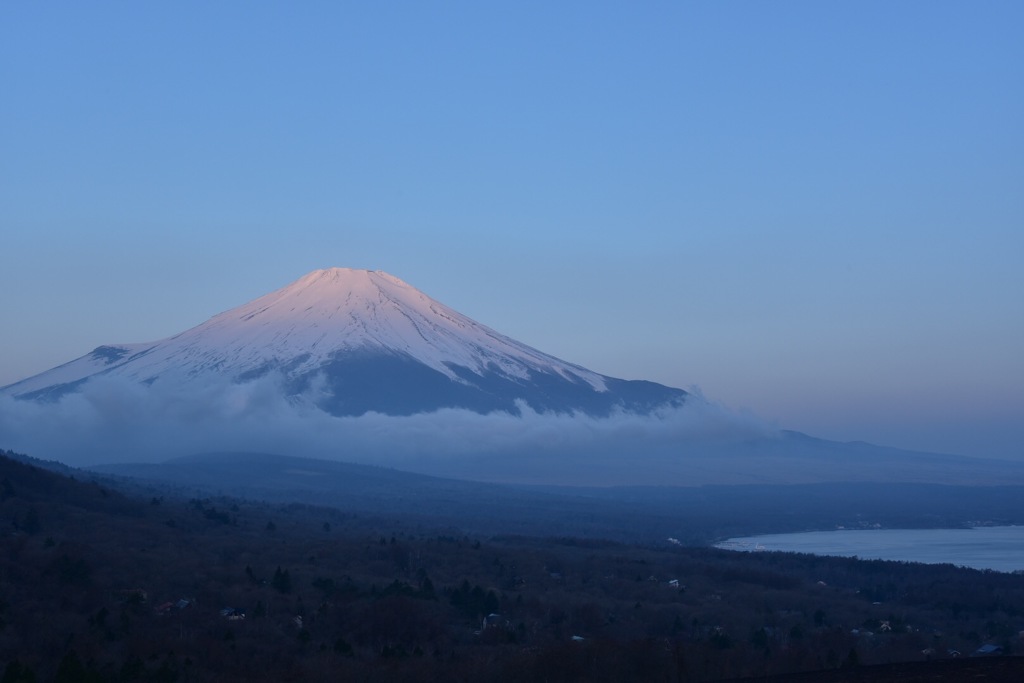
356,341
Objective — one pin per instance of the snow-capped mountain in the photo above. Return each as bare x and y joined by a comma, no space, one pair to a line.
355,341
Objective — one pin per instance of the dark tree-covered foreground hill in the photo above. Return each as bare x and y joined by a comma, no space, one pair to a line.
100,586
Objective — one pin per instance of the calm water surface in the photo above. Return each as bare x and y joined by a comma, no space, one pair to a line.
995,547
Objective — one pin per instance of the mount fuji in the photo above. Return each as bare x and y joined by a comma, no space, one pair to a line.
358,366
357,341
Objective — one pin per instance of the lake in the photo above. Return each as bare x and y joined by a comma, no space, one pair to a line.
995,547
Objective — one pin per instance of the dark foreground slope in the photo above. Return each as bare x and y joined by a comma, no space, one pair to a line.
967,669
100,586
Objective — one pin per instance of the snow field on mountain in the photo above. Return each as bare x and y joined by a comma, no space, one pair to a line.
323,315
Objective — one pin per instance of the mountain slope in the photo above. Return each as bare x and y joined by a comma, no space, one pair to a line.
355,341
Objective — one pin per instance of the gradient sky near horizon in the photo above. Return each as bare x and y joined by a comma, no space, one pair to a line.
813,211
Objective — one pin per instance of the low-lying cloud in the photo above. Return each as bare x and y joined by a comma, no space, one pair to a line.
115,420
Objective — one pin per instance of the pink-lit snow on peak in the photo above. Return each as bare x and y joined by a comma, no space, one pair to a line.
322,314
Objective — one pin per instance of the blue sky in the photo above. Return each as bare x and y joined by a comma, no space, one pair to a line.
814,211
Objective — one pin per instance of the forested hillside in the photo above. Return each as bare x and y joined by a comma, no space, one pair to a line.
99,586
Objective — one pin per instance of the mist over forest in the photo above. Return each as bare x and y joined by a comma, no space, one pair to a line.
114,420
